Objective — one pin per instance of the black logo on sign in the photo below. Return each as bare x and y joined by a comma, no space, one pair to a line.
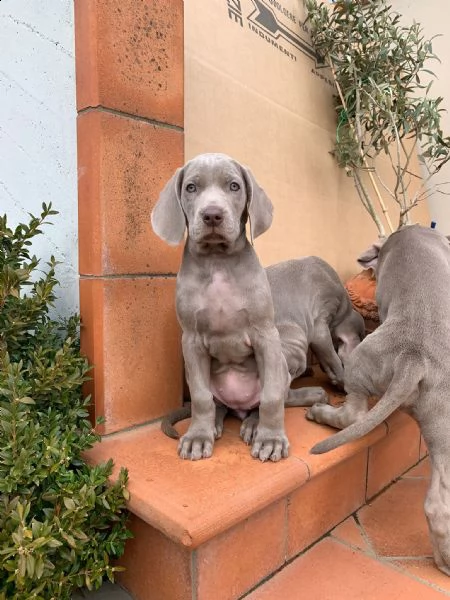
264,18
264,21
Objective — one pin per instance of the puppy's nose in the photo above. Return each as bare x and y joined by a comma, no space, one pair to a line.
212,216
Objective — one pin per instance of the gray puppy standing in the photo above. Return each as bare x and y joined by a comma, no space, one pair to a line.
406,363
231,347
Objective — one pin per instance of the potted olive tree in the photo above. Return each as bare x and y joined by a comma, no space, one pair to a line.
379,67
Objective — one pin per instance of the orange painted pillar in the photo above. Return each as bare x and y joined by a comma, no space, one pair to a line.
129,68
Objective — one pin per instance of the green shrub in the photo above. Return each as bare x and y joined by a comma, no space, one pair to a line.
60,521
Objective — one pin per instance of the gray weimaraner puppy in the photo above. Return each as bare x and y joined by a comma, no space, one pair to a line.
231,347
405,362
312,309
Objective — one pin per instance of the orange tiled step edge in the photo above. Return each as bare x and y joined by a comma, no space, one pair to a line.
383,551
216,528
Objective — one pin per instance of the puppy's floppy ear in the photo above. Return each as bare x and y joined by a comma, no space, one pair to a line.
259,206
168,220
369,258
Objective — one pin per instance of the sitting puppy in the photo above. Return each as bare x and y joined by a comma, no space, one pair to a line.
231,347
312,309
405,362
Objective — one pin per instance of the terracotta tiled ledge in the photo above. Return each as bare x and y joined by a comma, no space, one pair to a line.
193,501
196,517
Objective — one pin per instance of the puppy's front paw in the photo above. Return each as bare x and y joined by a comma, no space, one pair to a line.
270,445
196,445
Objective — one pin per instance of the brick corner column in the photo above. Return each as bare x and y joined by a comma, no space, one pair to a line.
129,67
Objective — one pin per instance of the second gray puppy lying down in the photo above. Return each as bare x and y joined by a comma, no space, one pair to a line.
312,308
406,363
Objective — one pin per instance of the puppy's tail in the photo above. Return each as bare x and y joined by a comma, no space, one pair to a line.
403,385
168,422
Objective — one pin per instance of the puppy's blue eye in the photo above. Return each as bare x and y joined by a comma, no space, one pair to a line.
191,187
234,187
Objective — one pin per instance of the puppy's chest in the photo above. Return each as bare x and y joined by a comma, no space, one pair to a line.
221,307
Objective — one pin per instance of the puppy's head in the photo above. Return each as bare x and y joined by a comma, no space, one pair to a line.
213,196
369,258
348,335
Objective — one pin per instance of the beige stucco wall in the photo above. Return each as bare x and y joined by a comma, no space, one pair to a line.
270,107
434,17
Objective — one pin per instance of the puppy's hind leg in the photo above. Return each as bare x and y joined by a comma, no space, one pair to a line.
249,426
353,409
306,396
221,413
295,347
322,346
435,431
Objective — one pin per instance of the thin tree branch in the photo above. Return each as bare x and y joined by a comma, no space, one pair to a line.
377,191
388,190
367,204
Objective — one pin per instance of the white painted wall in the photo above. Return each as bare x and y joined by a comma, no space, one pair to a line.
38,128
433,16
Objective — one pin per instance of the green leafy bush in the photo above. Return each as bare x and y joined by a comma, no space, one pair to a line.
60,521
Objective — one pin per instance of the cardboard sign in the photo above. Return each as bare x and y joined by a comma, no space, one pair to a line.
254,90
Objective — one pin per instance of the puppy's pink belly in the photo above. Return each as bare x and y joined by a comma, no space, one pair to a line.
236,389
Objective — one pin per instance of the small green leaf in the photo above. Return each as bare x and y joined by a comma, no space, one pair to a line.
87,581
22,566
39,568
30,565
26,400
69,503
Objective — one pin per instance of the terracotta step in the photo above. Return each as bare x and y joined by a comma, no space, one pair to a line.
216,528
383,551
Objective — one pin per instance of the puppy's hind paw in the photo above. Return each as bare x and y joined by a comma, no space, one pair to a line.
218,431
249,428
306,396
321,413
